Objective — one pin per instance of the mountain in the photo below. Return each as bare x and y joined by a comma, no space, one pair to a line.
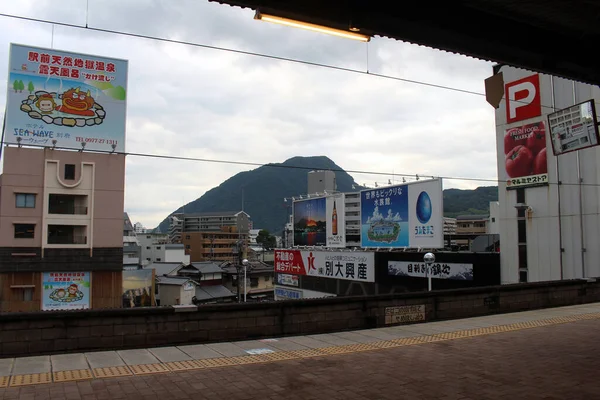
469,202
265,187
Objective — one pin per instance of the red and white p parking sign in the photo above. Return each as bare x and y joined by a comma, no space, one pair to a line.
523,100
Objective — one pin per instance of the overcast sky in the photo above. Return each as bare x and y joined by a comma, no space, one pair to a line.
197,102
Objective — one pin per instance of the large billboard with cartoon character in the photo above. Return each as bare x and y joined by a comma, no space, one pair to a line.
67,100
66,291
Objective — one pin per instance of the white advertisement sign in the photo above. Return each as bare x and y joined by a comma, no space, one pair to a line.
426,214
287,279
453,271
336,223
283,293
347,265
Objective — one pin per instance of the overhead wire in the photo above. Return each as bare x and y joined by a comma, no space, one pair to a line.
280,165
250,53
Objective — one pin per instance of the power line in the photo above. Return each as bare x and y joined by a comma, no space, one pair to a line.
272,165
248,53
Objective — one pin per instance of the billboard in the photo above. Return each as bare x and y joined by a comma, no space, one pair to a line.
287,279
573,128
66,291
65,98
409,215
336,223
454,271
347,265
525,158
138,288
310,222
283,293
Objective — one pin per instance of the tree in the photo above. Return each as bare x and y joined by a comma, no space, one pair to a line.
16,86
30,87
21,86
265,239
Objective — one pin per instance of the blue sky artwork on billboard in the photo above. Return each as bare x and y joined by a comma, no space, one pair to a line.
384,217
310,225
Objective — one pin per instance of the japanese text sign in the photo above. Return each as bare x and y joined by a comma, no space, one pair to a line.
409,215
525,156
65,290
63,99
454,271
347,265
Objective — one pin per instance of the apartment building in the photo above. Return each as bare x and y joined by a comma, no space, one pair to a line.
131,245
61,227
352,218
211,236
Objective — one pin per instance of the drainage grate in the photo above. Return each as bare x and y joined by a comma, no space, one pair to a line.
73,375
111,372
31,379
183,365
4,380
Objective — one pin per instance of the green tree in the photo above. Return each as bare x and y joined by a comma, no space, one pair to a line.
21,86
16,86
266,240
30,87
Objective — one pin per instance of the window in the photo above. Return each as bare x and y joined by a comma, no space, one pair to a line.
521,195
70,171
187,246
157,247
149,259
523,256
148,237
187,237
23,294
523,276
158,259
24,231
25,200
493,219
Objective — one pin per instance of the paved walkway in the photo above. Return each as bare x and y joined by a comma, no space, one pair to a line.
544,354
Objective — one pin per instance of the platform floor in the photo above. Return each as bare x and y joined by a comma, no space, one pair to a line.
547,353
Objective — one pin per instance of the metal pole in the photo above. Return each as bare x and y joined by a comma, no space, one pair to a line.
245,291
579,183
558,183
429,277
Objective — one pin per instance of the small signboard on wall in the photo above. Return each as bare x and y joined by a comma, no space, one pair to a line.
404,314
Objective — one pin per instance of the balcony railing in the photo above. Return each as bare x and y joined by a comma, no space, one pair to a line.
67,239
67,209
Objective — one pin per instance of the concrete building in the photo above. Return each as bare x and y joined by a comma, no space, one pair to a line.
252,235
494,223
61,217
321,181
450,225
155,247
132,251
211,236
352,218
548,231
139,228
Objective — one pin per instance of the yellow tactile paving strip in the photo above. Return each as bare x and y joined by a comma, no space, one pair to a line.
72,375
109,372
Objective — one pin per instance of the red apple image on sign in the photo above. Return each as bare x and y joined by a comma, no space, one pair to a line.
525,150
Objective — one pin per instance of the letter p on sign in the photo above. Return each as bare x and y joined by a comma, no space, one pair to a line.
523,100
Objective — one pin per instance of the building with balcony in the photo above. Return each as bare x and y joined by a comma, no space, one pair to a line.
61,219
132,250
210,236
352,218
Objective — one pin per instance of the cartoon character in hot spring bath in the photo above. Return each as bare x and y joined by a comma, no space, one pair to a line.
77,102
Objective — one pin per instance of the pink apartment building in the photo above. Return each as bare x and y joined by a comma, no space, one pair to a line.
61,214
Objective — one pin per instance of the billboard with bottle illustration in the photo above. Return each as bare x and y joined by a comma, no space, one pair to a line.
336,223
64,99
403,216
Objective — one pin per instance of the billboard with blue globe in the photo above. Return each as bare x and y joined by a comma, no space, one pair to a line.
403,216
